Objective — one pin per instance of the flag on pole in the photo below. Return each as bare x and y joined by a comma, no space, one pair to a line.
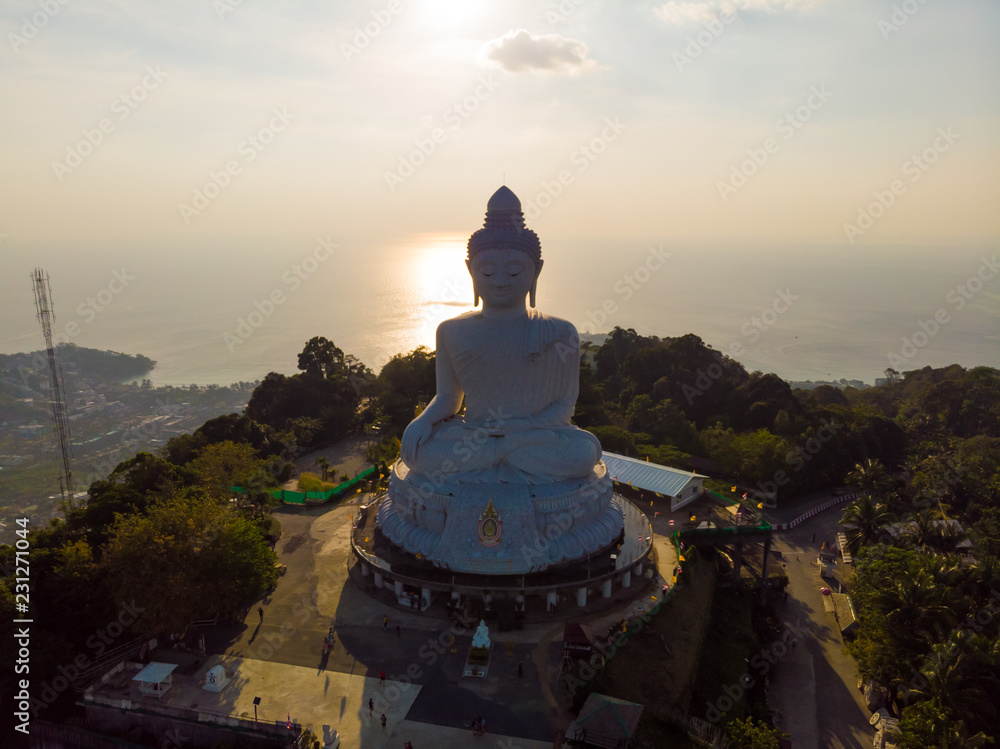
288,724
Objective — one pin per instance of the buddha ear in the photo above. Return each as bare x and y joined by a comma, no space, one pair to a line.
534,284
475,290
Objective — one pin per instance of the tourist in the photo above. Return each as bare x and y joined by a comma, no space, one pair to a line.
260,610
381,678
385,621
398,634
383,721
371,707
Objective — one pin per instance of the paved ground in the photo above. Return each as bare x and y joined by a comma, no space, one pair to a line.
814,686
346,456
426,700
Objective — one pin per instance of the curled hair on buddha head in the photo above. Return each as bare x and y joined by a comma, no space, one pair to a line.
504,229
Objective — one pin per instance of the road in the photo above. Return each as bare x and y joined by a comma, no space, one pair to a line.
814,685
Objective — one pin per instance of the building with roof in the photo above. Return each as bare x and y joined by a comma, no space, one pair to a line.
681,487
605,722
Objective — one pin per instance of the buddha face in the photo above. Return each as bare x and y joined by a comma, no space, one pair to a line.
503,277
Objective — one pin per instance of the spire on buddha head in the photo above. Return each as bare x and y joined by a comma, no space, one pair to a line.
504,228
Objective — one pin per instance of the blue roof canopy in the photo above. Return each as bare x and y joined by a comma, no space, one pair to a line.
649,476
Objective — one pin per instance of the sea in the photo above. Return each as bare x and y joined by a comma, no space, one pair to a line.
225,311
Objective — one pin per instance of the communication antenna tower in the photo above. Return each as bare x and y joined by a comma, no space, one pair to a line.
46,316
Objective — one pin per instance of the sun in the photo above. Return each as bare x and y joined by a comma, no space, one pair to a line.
449,15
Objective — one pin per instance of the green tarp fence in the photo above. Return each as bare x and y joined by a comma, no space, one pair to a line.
724,499
640,623
300,498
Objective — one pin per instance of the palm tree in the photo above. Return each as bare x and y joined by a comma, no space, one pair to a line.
918,609
324,466
922,531
870,477
862,520
957,677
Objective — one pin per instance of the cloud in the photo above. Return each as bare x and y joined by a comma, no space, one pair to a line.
680,14
684,12
519,51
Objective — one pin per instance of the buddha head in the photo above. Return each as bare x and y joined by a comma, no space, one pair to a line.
505,257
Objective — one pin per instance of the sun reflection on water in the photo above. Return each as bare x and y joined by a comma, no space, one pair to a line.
442,287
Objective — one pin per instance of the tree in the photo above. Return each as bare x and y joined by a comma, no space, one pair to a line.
227,464
957,676
190,558
321,358
405,382
863,520
133,486
871,478
749,734
926,725
918,608
324,466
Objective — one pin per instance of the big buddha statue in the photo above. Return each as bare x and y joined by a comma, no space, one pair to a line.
517,370
493,476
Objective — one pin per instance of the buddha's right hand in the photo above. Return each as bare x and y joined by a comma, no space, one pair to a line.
414,436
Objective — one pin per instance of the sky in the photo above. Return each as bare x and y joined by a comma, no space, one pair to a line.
834,122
